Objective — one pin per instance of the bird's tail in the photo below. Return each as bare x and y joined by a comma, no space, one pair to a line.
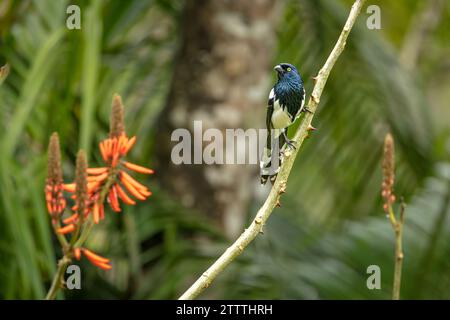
271,160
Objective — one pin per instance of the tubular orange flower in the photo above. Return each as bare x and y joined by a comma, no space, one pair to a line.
69,187
102,211
77,253
92,186
113,201
50,206
67,229
92,256
128,146
98,178
132,189
103,151
96,213
101,265
126,177
71,219
108,145
137,168
92,178
96,171
97,260
146,193
122,195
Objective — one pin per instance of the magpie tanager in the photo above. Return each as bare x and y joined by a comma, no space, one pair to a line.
286,101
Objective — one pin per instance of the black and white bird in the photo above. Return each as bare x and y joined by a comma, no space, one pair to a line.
286,102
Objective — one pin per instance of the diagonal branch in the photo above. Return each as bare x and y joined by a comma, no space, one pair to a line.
289,157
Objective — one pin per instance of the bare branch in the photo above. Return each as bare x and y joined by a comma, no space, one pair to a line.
280,184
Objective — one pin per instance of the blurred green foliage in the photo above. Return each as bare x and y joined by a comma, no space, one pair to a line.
331,225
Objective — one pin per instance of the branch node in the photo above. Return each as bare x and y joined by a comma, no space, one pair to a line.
282,188
315,99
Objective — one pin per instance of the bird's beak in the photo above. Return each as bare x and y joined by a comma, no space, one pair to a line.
278,68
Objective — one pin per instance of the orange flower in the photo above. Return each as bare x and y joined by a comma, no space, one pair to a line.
113,175
77,253
125,198
72,219
97,170
67,229
113,201
96,213
95,259
137,168
113,150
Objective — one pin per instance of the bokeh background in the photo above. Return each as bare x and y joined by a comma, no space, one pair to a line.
178,61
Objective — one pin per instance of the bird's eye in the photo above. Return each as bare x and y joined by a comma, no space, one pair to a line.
289,69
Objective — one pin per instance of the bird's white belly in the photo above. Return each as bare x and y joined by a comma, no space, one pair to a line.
280,118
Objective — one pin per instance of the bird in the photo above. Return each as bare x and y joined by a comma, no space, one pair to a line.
286,103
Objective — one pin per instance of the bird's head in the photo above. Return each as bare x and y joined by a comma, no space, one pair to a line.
286,70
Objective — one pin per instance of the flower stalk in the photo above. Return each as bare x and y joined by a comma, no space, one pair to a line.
387,193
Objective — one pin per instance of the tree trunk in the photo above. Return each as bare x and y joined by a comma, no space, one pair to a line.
221,77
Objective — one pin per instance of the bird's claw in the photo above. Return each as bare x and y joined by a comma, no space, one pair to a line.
291,144
306,109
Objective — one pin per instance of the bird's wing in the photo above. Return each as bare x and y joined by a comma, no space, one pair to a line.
265,162
302,104
303,99
270,109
